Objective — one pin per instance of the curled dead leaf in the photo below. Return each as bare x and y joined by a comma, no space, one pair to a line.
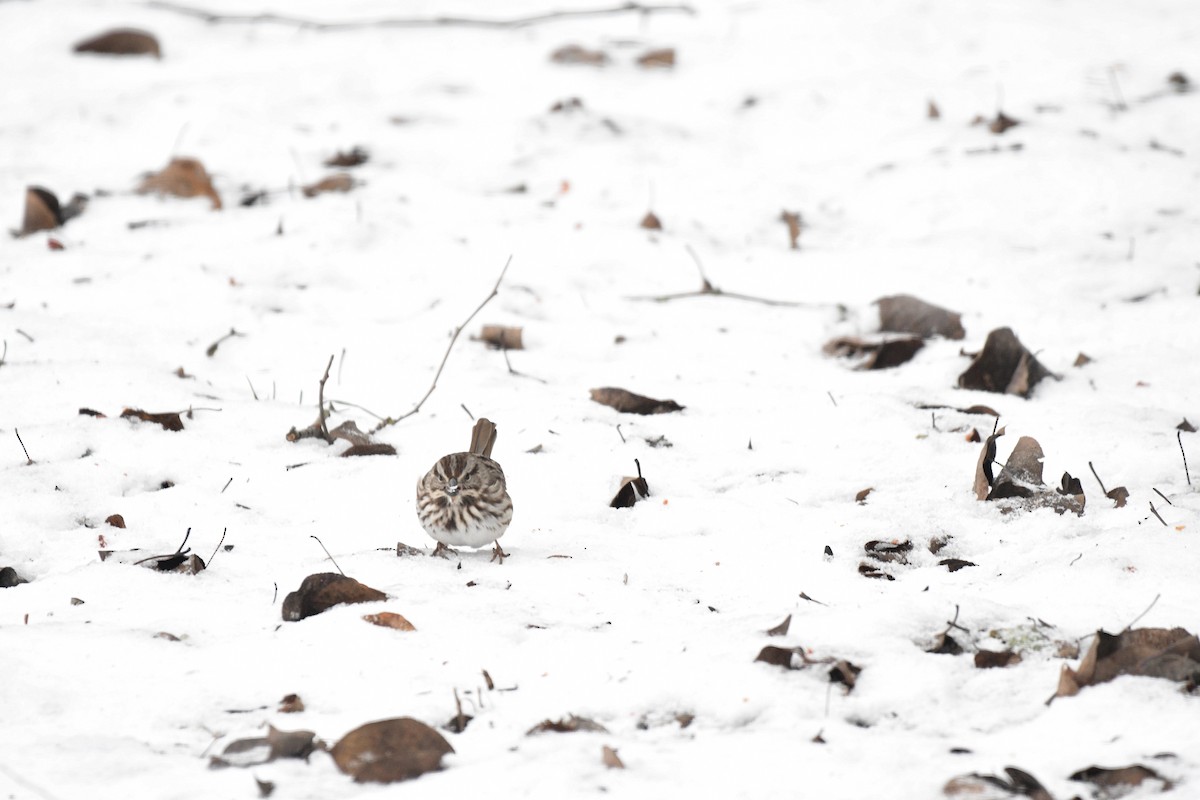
121,42
875,354
502,336
182,177
782,628
651,222
260,750
629,403
1005,366
1120,780
571,724
610,759
42,211
577,54
388,619
338,182
291,704
324,590
945,644
169,420
1172,654
904,313
663,57
390,750
795,224
845,673
115,520
354,157
632,490
992,659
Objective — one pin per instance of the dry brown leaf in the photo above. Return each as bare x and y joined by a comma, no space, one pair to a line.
572,724
993,787
778,656
182,177
861,497
845,673
1120,780
291,704
121,42
1002,122
1119,495
390,750
260,750
1081,360
629,403
932,111
984,477
955,564
882,354
355,157
373,449
169,420
872,571
1004,365
991,659
782,628
651,222
42,211
610,759
945,644
1022,473
889,552
632,489
323,591
1153,652
663,57
502,336
338,182
388,619
9,578
795,224
1186,426
115,520
577,54
903,313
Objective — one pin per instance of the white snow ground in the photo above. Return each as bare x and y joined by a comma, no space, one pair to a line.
662,608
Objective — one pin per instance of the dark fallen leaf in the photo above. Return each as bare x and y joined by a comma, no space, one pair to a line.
577,54
945,644
861,497
845,673
182,177
115,520
260,750
458,723
975,785
121,42
1002,122
323,591
777,656
651,222
88,412
782,628
403,550
1120,779
871,571
1152,652
632,489
1005,366
984,477
795,225
932,111
349,431
1179,82
904,313
990,659
974,436
42,212
1022,473
9,578
937,543
373,449
338,182
882,354
265,788
1118,495
571,724
1186,426
629,403
564,106
610,759
354,157
502,337
168,637
660,58
955,564
170,420
183,563
889,551
291,704
75,601
390,750
1082,359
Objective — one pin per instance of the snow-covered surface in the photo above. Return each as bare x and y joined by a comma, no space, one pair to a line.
623,616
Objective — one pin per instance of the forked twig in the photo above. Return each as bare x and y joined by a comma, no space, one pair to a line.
707,289
416,22
383,423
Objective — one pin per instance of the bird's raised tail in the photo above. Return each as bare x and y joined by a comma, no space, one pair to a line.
483,437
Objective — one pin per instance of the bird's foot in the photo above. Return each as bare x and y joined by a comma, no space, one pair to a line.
442,551
498,552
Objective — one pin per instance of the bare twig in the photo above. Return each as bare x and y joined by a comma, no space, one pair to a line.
212,348
217,549
226,486
1179,438
1093,469
4,354
252,392
321,415
28,460
417,22
1163,496
1144,613
512,371
620,434
339,569
495,291
707,289
1154,511
463,406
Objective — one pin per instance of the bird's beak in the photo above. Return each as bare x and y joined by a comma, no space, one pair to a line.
452,487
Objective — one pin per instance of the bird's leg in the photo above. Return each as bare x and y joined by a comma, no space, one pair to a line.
442,551
498,552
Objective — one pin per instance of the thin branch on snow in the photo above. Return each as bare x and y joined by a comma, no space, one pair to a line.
495,291
418,22
707,289
319,429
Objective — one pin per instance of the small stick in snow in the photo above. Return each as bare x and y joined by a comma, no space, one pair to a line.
1093,469
1164,497
707,289
252,392
454,338
1179,438
226,486
512,371
212,348
1144,613
28,460
419,22
339,569
1154,511
218,547
1073,560
463,406
620,434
